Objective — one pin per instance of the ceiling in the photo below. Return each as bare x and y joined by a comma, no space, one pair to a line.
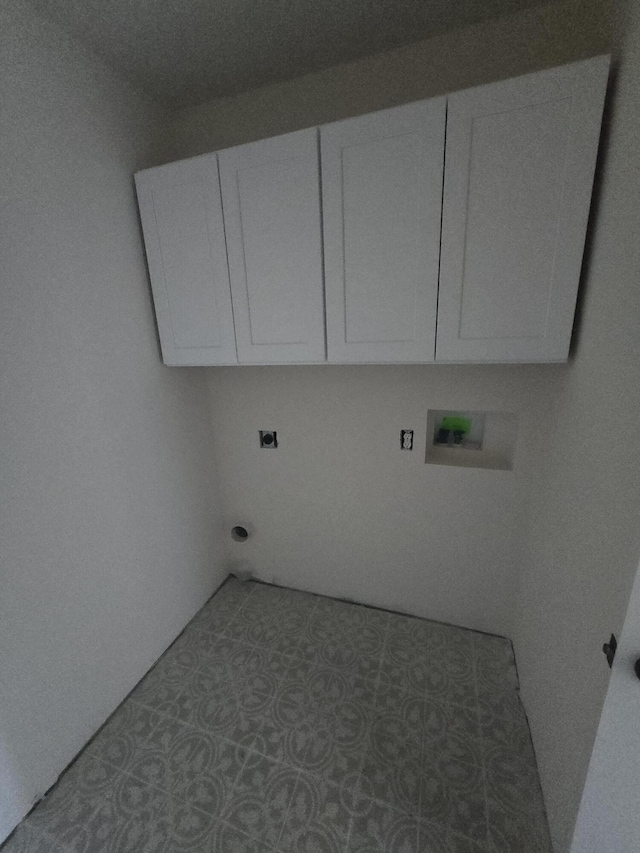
189,51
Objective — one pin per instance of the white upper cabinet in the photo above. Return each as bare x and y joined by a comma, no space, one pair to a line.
520,160
382,196
271,200
181,217
464,249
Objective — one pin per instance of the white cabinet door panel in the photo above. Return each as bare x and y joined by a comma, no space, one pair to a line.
382,195
519,171
181,213
271,199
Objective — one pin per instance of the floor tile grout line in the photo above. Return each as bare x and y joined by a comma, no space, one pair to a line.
422,769
284,822
367,739
482,746
179,722
291,662
211,600
234,785
382,656
249,752
148,784
298,771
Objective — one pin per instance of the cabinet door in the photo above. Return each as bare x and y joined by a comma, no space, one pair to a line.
181,214
382,199
271,200
519,172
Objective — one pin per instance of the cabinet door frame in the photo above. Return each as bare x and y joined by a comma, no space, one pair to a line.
428,119
204,171
303,147
585,84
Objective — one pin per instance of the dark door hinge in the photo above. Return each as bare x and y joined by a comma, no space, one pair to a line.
610,650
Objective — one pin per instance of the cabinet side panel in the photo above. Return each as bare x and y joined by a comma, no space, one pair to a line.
181,212
181,217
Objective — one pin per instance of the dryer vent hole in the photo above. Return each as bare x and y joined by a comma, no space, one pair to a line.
239,534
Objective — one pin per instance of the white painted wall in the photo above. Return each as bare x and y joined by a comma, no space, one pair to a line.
108,531
536,38
584,537
609,818
338,508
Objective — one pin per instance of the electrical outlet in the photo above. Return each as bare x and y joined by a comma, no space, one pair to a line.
406,439
268,438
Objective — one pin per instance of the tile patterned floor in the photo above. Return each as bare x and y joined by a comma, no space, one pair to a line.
282,721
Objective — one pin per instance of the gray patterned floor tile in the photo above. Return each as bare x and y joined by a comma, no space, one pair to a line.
380,828
328,688
318,818
443,717
397,785
343,656
26,839
401,649
456,843
445,674
123,735
214,619
137,816
516,829
261,797
210,653
281,599
452,794
256,696
392,773
503,724
74,799
231,716
285,734
269,628
452,732
512,784
495,666
161,687
223,607
402,713
339,743
281,721
192,766
229,839
233,593
433,838
250,666
239,630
